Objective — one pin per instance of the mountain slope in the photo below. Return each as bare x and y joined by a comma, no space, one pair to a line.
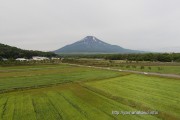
91,44
7,51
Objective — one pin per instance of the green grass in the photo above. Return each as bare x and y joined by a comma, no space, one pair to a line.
158,69
21,77
63,92
143,92
62,103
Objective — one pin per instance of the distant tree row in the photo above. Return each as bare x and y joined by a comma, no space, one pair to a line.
161,57
13,53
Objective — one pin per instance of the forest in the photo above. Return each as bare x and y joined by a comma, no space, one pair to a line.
14,52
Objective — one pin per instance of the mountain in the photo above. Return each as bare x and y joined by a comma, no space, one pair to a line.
92,45
7,51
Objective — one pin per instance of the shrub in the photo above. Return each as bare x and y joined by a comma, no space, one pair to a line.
142,67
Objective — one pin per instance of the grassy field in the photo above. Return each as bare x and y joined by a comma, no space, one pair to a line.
64,102
63,92
34,76
143,92
159,67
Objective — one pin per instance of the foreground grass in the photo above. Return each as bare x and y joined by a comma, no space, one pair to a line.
64,102
81,93
144,92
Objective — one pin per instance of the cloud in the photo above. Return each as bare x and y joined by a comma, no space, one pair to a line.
51,24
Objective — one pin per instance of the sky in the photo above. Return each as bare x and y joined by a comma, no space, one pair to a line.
51,24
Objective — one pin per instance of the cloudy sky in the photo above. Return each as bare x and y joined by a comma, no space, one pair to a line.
51,24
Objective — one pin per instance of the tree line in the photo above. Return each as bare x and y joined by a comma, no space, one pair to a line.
161,57
13,53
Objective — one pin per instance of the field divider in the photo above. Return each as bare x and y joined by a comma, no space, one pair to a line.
32,87
4,108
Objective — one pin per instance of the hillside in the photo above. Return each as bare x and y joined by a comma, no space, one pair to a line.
91,44
7,51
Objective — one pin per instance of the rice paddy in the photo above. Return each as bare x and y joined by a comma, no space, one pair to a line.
64,92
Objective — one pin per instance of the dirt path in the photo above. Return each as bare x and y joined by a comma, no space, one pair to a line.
131,71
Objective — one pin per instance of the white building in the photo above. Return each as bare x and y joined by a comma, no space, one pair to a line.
39,58
4,59
55,58
21,59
